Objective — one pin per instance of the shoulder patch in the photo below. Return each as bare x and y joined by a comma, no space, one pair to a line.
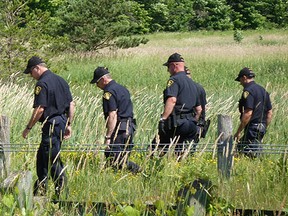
107,95
245,94
37,90
169,83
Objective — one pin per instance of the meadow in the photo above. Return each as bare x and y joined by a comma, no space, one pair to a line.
214,59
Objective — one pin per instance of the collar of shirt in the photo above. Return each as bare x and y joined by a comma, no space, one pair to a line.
109,84
47,72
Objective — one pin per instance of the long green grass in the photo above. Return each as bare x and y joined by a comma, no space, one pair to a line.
215,60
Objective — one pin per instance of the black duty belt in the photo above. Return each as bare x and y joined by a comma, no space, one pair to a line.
184,115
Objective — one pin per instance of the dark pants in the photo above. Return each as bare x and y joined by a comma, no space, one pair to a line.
120,147
250,143
48,155
184,132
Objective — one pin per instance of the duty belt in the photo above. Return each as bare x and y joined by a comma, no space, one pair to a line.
184,115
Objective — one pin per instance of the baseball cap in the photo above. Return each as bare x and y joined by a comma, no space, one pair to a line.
175,57
245,72
99,73
33,61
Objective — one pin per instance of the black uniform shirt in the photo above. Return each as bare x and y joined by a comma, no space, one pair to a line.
117,97
185,90
255,97
53,93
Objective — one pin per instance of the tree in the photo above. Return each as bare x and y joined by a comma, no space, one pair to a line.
211,15
246,14
95,24
22,35
180,14
275,12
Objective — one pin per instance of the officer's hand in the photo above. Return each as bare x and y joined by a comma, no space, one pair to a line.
161,126
236,137
107,141
68,132
25,133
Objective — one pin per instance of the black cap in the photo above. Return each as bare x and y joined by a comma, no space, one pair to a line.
175,57
33,61
245,72
98,73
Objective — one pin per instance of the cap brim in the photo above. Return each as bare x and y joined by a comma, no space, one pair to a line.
166,64
93,81
237,79
26,71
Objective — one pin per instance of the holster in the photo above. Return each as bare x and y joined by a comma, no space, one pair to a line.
172,121
205,128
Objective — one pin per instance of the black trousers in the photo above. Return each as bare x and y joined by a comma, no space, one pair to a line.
250,143
120,147
48,155
182,135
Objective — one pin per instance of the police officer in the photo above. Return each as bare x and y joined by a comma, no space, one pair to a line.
202,124
177,124
255,114
120,124
54,108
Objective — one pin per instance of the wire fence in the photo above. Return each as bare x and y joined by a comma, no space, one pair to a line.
144,148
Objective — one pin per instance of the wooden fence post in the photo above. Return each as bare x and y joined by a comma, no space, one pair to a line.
195,195
20,183
225,146
4,146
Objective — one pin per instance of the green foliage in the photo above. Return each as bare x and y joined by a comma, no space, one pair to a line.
23,33
126,42
160,15
246,14
238,36
92,25
211,15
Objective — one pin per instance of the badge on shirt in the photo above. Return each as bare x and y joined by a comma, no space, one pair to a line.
37,90
245,94
169,83
107,95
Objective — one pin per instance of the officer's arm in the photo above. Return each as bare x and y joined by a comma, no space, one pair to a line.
198,110
169,106
269,117
71,112
111,123
244,121
68,129
36,115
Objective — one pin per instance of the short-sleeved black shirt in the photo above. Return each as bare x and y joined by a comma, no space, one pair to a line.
185,90
255,97
117,97
53,93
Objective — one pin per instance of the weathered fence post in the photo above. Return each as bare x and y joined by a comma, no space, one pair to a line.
195,195
22,180
225,146
4,146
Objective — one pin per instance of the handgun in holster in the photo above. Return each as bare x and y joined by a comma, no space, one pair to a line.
172,121
205,128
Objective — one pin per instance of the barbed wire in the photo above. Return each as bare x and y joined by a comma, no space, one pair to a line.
163,147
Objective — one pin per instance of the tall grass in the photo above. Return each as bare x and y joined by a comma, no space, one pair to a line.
215,60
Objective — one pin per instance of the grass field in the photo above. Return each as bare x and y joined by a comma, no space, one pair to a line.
215,60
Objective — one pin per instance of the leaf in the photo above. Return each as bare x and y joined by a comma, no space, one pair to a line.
8,200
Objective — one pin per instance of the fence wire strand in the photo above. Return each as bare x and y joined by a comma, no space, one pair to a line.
87,148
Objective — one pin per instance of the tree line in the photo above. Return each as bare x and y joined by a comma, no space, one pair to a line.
28,26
